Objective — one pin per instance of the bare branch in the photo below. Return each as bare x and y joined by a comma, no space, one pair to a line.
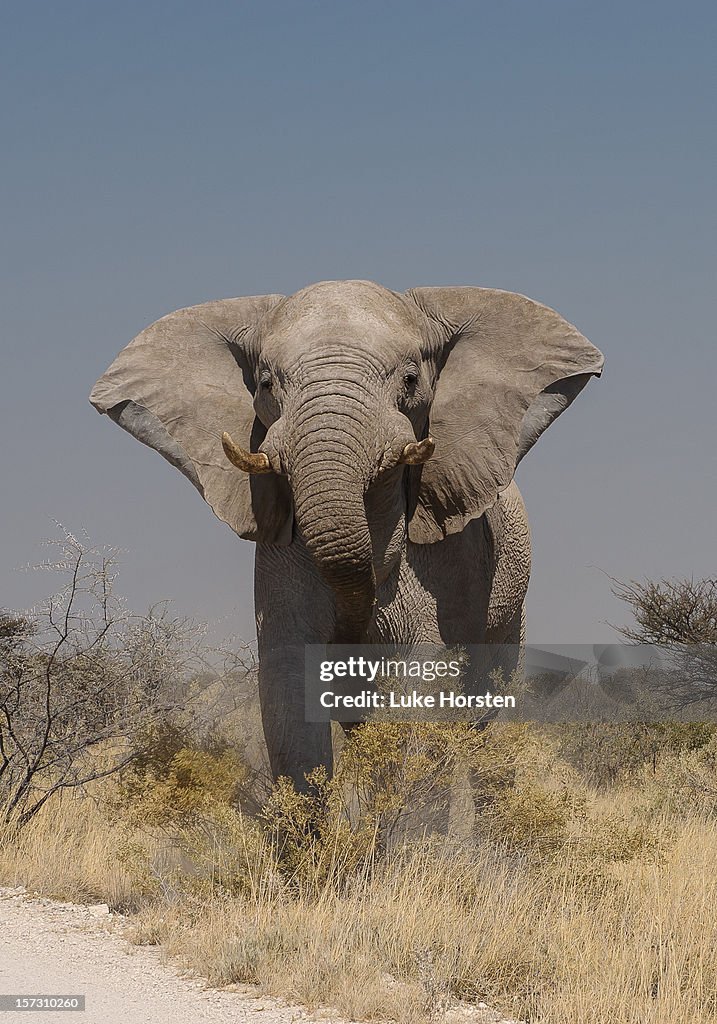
81,687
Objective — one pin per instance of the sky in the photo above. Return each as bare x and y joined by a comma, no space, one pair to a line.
158,155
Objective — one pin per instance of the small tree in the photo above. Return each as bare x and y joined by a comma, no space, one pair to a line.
82,680
680,618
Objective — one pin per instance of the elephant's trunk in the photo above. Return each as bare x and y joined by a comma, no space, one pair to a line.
328,480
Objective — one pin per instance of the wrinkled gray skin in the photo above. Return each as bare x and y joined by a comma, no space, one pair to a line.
333,384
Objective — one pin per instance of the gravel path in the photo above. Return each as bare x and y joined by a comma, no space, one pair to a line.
51,948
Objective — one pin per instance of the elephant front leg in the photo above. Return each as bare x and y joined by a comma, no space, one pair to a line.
294,607
295,746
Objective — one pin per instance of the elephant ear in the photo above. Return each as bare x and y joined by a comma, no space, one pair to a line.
507,367
183,381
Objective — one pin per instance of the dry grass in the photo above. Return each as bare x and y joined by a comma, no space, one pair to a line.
635,942
70,852
612,921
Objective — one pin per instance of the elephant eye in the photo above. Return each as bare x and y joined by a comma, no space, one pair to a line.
265,381
410,379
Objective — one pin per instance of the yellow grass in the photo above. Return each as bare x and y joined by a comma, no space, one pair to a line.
580,936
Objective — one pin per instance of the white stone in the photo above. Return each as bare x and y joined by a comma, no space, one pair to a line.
99,909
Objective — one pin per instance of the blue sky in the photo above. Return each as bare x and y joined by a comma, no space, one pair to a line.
158,155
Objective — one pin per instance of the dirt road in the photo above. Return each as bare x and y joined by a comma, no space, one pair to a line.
49,948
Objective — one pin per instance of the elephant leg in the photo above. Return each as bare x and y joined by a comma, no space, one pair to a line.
294,607
295,746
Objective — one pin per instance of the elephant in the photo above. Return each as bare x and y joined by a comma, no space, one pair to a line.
366,440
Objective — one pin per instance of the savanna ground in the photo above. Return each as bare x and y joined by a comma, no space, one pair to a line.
568,903
558,874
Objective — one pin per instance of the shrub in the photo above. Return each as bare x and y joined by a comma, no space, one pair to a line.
607,753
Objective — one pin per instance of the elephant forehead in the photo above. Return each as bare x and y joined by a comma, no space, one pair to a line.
356,313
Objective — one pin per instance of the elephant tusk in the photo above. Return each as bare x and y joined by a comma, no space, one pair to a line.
249,462
417,452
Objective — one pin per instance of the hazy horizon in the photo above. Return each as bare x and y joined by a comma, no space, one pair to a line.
155,160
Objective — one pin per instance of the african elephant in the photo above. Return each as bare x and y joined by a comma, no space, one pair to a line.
366,440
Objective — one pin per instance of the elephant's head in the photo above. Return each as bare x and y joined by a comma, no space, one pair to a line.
304,412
